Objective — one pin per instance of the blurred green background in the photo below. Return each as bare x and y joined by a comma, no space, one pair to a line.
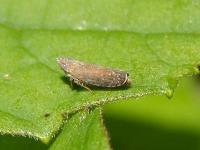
156,122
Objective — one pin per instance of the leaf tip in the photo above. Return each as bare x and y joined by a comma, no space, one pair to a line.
45,139
169,93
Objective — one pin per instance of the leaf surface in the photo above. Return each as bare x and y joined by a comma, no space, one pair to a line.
157,46
84,130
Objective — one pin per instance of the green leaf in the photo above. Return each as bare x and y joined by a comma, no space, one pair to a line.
82,131
157,43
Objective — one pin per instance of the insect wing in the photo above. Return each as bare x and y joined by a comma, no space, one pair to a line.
99,76
92,74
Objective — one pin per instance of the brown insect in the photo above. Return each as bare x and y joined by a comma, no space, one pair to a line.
85,74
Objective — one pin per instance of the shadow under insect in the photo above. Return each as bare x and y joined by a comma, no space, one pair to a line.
78,87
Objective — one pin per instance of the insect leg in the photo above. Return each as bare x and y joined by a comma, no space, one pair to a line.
71,82
71,79
77,81
81,84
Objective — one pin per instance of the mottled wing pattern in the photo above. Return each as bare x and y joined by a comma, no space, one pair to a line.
92,74
99,76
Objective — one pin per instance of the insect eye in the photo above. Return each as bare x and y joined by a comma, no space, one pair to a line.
127,74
